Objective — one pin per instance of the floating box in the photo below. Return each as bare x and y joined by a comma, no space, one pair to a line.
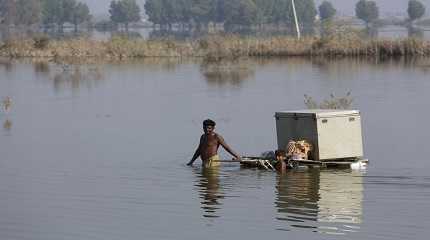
334,134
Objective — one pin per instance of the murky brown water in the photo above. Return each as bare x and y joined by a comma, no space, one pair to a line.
98,151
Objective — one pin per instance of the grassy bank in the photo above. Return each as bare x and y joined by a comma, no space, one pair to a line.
215,47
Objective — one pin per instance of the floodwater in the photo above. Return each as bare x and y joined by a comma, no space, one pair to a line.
98,151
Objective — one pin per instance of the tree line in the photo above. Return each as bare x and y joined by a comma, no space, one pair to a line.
228,12
368,11
259,12
200,13
45,12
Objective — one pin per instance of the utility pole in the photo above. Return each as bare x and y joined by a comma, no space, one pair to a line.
295,19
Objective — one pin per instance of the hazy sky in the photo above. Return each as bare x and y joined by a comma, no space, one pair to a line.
99,7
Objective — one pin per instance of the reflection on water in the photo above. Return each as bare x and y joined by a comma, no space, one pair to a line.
167,64
72,74
325,201
41,67
341,196
6,104
68,76
333,67
208,185
5,107
297,197
226,73
7,64
7,126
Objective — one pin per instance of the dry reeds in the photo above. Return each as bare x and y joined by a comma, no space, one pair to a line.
217,48
344,102
226,72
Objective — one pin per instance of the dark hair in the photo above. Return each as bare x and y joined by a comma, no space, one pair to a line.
280,153
209,122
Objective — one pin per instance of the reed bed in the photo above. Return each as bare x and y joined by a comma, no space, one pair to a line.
215,48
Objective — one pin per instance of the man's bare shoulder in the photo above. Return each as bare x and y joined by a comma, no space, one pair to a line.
219,137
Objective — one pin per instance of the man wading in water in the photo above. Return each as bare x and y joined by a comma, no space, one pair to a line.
208,147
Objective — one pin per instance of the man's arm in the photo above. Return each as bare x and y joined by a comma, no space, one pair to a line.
196,153
283,166
228,148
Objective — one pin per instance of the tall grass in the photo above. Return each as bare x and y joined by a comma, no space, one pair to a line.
216,48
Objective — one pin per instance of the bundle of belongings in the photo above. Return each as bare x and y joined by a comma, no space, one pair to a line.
295,150
299,150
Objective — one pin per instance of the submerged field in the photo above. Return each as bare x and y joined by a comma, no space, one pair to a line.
98,150
215,47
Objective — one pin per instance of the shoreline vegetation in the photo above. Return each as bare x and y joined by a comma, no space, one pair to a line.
214,48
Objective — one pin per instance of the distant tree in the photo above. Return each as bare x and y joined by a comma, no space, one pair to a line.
200,11
131,10
241,12
81,14
52,11
282,12
367,11
7,11
218,9
172,11
264,11
415,10
153,9
184,8
66,13
3,9
58,12
124,12
28,12
327,11
165,12
115,11
306,11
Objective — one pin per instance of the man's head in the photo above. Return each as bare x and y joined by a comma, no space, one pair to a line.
208,126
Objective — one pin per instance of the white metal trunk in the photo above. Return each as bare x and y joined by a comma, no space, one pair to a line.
335,134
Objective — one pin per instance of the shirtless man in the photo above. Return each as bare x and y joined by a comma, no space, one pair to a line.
208,147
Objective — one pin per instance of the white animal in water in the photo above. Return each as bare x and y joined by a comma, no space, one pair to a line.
7,104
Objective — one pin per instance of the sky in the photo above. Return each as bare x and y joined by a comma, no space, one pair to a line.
345,7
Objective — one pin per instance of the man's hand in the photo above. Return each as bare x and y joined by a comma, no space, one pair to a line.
238,158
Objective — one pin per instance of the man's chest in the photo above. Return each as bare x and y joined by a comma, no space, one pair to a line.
211,141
